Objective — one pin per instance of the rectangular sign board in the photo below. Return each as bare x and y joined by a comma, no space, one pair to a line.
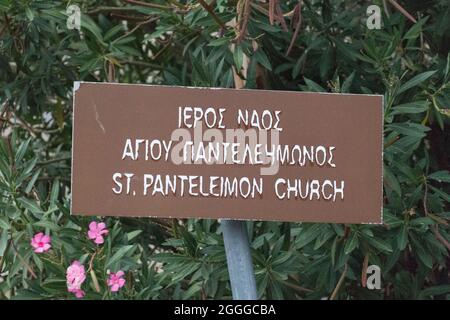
160,151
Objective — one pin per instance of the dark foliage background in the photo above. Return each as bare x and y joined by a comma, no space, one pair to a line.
305,46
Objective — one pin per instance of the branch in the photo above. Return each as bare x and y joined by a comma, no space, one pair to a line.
364,271
296,287
148,5
212,13
339,284
91,261
129,18
5,253
271,11
391,142
111,9
280,16
23,260
6,25
19,122
243,21
141,64
435,228
43,163
151,19
440,237
3,29
298,10
403,11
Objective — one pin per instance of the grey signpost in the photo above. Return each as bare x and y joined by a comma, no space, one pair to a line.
239,259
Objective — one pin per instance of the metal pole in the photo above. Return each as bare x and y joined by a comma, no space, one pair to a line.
239,259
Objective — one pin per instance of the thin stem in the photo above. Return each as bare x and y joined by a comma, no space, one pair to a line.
403,11
5,252
297,27
435,227
151,19
112,9
212,13
23,260
43,163
296,287
243,21
149,5
339,284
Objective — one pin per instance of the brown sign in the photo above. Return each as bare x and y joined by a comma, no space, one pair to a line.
159,151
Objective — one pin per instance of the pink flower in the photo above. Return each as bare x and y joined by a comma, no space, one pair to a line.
116,280
79,293
41,242
96,232
75,276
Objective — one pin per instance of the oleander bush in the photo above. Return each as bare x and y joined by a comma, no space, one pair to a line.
309,45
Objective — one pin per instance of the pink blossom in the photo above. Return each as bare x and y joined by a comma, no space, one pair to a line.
96,232
41,242
75,276
116,280
79,293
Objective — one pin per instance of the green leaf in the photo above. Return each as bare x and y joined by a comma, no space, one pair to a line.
4,5
298,65
193,289
313,86
189,242
308,234
238,57
410,107
22,150
423,221
32,181
89,24
351,243
416,80
415,29
380,244
133,234
4,223
47,224
391,180
29,13
31,205
262,59
347,83
114,31
409,129
91,64
24,294
171,258
391,220
402,239
4,236
424,256
440,176
219,42
326,62
441,193
54,193
333,251
125,250
435,291
346,49
185,271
